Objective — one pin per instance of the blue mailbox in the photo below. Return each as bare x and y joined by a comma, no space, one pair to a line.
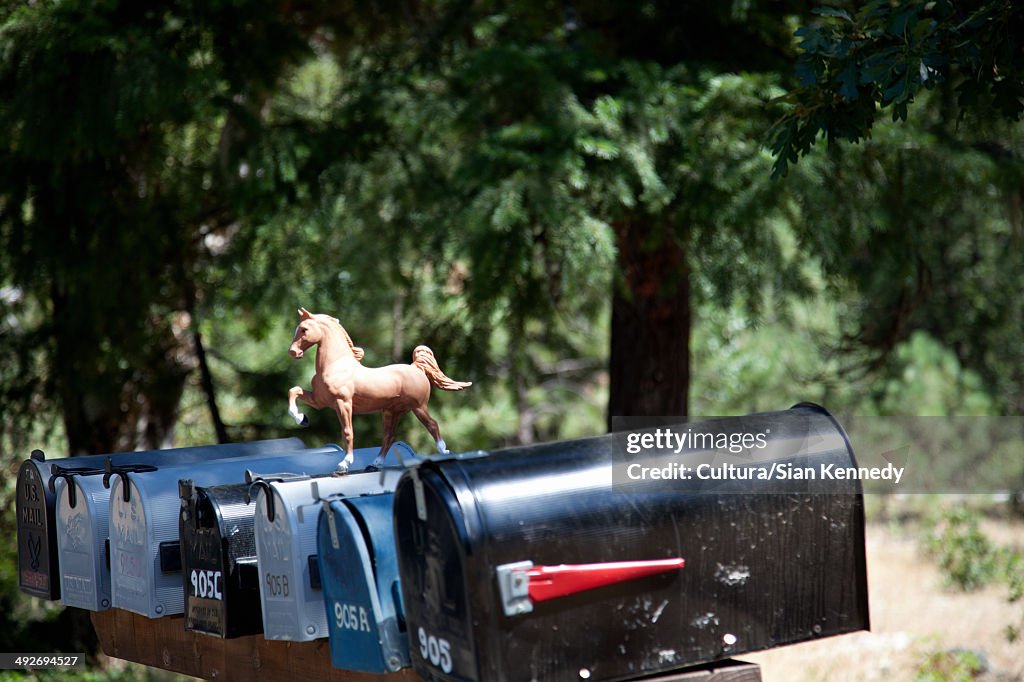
35,501
145,551
359,572
286,546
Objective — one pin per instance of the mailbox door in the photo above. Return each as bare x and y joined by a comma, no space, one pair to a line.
433,543
375,516
133,564
218,558
37,534
285,585
360,578
35,504
82,532
205,582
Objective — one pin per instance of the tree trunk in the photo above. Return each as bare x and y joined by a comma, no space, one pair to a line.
649,366
206,381
142,415
116,396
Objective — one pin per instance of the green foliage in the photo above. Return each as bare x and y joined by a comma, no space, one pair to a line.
929,245
968,559
958,665
474,205
743,365
1015,575
884,54
105,198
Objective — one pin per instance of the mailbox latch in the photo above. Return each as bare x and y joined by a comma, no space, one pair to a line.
522,584
514,585
68,474
332,525
417,489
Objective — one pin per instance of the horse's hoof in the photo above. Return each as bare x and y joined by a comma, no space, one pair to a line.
305,421
371,468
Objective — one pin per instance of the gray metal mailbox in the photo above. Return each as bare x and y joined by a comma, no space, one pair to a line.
531,564
145,555
83,506
286,548
35,501
222,581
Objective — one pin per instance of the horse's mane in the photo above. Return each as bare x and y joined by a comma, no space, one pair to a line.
356,350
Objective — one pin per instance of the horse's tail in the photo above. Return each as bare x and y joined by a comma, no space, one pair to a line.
423,358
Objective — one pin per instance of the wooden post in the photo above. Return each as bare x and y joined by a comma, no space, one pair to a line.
164,643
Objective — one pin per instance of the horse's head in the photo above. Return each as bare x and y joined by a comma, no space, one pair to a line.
310,332
313,329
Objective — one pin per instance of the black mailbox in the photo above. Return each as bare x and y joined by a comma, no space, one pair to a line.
531,564
38,572
218,556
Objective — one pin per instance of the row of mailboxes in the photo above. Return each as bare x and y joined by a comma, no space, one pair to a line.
242,574
83,513
145,555
35,502
528,563
315,554
83,516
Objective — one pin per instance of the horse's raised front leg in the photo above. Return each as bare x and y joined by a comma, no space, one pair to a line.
293,409
344,409
390,419
429,422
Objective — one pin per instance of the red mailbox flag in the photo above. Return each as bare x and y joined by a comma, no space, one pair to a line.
550,582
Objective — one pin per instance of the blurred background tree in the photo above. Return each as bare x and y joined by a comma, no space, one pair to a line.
862,57
938,233
570,202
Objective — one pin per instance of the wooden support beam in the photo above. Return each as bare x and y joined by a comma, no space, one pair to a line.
164,643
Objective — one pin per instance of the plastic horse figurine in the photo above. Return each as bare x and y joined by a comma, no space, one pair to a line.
343,384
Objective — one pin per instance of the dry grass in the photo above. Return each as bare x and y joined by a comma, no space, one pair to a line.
912,615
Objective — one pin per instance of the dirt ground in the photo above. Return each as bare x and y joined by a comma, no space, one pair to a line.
912,615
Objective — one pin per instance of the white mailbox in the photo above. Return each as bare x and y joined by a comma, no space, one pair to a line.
145,555
286,546
83,507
